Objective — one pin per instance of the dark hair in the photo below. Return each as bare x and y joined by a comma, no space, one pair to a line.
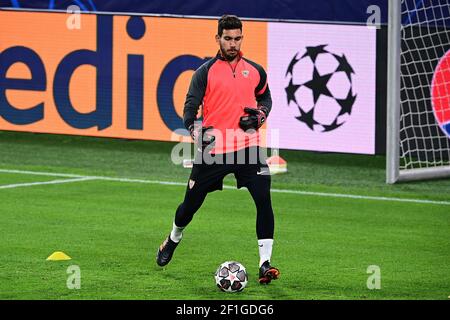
228,22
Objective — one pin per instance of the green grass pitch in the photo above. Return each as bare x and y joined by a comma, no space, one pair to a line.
323,246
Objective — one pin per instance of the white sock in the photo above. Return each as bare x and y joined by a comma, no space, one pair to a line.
176,234
265,250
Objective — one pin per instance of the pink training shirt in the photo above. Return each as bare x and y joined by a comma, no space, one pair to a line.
225,90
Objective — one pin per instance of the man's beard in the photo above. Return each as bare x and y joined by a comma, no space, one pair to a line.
227,56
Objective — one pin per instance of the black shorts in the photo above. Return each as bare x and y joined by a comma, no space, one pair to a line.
246,165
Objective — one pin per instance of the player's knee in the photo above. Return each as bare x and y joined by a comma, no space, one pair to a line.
187,210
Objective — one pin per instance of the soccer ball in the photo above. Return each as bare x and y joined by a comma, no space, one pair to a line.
231,276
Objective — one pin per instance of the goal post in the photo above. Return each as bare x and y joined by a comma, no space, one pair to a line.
418,87
393,92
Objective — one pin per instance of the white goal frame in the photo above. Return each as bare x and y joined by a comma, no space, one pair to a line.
393,171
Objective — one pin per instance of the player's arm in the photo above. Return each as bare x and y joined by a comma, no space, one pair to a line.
262,92
265,101
256,117
194,97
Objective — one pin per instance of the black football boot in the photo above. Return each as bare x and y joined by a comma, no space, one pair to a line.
267,273
165,251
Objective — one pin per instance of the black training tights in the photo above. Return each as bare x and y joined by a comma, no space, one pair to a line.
260,191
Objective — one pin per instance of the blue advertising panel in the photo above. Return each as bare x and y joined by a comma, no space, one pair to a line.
351,11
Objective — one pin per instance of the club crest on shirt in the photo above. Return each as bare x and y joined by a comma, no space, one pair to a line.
191,183
245,73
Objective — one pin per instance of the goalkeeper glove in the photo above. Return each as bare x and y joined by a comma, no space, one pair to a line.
255,119
206,138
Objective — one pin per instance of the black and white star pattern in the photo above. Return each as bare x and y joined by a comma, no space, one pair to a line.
344,66
292,64
290,91
347,103
313,52
307,118
319,85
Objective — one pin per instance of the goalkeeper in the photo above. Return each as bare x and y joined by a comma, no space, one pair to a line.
236,102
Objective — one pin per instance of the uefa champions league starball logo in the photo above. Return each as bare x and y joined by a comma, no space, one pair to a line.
320,85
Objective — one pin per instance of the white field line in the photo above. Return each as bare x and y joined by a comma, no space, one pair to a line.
30,184
299,192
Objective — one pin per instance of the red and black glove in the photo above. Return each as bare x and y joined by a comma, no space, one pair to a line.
204,138
255,119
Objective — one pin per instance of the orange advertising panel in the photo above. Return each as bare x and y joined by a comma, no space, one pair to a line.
110,76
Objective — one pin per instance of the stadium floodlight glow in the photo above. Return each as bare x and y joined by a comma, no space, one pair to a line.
418,116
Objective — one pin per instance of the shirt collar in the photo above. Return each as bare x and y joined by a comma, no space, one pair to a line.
219,55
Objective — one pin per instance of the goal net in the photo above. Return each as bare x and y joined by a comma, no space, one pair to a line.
418,139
